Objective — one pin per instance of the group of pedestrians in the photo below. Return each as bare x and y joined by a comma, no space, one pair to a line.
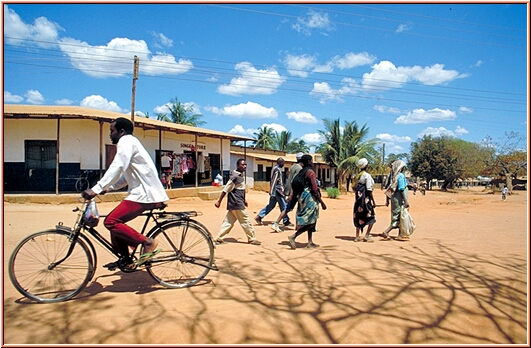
302,191
133,167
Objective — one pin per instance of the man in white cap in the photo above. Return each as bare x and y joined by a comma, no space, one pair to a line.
293,171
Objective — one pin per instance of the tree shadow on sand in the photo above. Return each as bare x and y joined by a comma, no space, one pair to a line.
324,296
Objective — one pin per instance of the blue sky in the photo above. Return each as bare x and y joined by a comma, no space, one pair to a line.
404,70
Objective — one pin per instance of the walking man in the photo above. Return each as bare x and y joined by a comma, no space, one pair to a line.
236,203
276,194
291,200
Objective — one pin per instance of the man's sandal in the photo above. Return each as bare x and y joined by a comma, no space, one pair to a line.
146,257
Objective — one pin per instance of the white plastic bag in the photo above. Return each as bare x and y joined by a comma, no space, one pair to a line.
91,216
407,224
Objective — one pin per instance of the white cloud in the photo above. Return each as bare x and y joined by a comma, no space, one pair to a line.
324,92
275,126
116,58
303,64
248,110
385,75
42,32
389,138
303,117
313,20
460,130
63,101
465,110
238,129
386,109
253,81
162,39
162,109
12,98
478,63
34,97
352,60
441,131
432,75
403,27
425,116
99,102
299,65
313,138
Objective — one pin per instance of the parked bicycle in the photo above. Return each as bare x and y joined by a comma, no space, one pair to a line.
55,265
82,183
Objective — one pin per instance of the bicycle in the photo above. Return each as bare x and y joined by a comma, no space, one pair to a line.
56,264
82,183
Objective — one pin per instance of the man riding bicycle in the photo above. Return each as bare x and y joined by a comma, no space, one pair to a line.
131,166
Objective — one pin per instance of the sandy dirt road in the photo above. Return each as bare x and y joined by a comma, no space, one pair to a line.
461,279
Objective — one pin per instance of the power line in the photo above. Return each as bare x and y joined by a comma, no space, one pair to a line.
126,61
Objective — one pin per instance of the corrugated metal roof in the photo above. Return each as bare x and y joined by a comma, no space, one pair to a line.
55,111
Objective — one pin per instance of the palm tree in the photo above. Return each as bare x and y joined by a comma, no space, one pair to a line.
163,117
264,138
298,146
179,113
343,149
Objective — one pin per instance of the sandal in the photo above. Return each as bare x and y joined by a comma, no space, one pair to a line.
146,257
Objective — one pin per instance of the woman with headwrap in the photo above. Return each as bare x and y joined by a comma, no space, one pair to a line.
304,185
399,198
364,204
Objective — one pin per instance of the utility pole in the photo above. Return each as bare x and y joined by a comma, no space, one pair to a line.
135,77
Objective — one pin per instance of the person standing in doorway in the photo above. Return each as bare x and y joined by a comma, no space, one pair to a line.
236,204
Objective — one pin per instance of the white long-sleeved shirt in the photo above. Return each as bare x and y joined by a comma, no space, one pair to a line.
133,166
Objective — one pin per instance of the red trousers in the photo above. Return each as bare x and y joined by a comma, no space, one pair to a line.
122,235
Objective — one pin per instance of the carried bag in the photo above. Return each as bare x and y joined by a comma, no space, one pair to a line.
91,216
389,193
407,224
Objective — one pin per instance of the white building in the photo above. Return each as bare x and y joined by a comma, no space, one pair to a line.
46,148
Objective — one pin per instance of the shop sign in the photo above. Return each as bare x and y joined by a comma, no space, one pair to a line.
191,146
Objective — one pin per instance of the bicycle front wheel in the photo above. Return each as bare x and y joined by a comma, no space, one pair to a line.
187,255
36,272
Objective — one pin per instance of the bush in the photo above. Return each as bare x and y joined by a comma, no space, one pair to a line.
332,192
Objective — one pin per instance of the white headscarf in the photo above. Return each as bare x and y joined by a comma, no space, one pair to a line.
362,163
397,167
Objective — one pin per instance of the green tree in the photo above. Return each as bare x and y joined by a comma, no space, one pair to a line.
508,159
434,158
265,138
298,146
343,148
163,117
182,114
282,141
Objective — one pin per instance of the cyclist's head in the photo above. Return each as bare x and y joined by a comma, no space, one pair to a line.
119,127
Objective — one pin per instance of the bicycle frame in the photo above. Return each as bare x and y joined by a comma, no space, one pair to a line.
80,226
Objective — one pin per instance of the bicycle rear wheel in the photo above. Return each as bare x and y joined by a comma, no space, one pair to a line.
34,274
187,255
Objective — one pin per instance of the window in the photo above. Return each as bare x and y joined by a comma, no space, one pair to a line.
40,154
